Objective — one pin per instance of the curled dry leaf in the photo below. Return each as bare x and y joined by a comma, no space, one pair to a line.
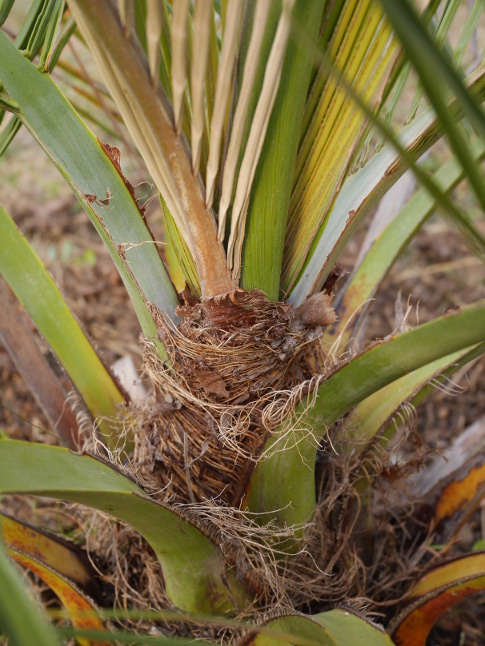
66,558
454,484
212,382
437,591
81,609
316,311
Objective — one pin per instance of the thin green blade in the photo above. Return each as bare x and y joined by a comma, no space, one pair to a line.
266,224
34,287
438,76
378,261
368,417
19,617
364,189
94,177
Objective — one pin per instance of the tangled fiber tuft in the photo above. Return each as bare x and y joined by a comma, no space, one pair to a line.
237,368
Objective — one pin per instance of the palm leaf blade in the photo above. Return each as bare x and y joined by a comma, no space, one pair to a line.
193,566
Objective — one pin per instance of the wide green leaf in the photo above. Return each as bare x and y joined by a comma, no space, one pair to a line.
292,629
333,628
349,629
283,484
194,569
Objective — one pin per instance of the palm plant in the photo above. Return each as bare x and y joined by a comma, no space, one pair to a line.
250,468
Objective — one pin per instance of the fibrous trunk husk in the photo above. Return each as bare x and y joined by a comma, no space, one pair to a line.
232,361
238,366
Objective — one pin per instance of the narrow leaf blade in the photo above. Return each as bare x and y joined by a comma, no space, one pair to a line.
35,289
266,224
92,175
19,616
378,261
362,191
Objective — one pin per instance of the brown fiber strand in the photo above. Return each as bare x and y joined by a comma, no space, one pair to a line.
239,365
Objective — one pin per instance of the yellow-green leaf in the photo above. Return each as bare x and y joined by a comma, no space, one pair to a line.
81,610
437,591
67,559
